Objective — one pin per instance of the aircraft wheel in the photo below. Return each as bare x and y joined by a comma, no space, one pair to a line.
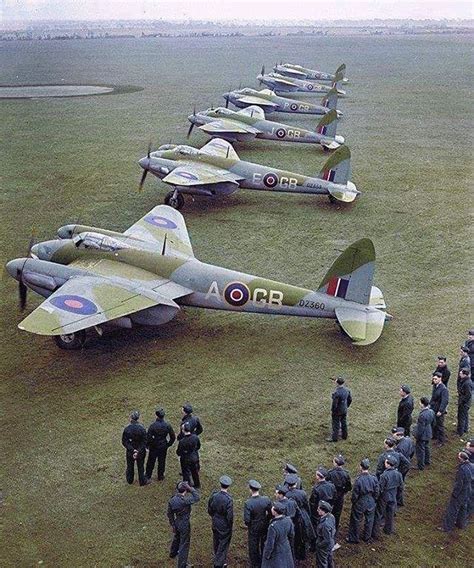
332,199
71,341
174,202
326,150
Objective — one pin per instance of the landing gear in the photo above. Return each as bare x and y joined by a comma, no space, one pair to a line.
332,199
71,341
174,199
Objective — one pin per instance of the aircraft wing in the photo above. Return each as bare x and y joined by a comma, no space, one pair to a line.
297,74
200,174
253,111
106,294
221,148
284,82
249,100
163,222
224,126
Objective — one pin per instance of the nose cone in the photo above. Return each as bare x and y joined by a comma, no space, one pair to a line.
192,118
144,163
34,250
46,249
14,267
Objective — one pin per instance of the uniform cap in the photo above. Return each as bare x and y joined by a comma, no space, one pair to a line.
290,468
365,463
399,430
181,486
325,506
406,389
135,415
254,484
187,408
283,489
464,348
279,508
391,460
340,380
160,412
470,332
291,479
225,480
464,454
340,460
322,471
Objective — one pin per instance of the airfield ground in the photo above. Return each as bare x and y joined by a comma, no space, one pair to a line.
260,385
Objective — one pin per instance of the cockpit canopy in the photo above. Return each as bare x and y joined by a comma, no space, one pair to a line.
96,241
220,111
247,91
167,147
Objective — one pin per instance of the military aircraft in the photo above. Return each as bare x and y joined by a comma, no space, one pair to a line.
216,170
299,72
93,278
250,123
282,84
270,102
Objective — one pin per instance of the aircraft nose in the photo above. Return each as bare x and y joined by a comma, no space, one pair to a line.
35,250
144,163
13,267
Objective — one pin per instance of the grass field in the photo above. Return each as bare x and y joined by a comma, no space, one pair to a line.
259,384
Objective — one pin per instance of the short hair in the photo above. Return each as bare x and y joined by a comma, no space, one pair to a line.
340,380
187,427
390,442
181,487
464,455
465,371
441,358
438,374
424,401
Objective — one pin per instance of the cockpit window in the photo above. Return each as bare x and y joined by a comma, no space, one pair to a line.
100,242
225,111
246,91
166,147
186,151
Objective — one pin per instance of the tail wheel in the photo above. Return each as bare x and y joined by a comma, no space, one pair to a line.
332,199
174,200
71,341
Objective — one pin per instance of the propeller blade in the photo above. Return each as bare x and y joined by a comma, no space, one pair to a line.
22,292
262,72
194,110
149,150
227,103
142,180
190,130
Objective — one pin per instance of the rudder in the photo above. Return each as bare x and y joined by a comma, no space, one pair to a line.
327,126
337,168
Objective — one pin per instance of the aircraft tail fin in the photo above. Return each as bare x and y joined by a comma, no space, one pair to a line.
337,78
330,99
327,126
337,168
341,69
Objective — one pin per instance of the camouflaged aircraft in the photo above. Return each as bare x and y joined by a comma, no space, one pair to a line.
299,72
94,278
250,123
270,102
217,170
282,84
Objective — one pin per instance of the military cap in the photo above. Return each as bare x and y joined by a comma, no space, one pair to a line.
340,459
291,479
470,332
225,480
324,506
399,430
322,471
391,460
406,389
279,508
365,463
340,380
465,370
283,489
464,454
187,408
181,486
290,468
160,412
471,441
464,348
254,484
135,415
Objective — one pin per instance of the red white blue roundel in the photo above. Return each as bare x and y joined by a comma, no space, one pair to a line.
294,106
270,180
280,132
237,294
161,222
74,304
310,86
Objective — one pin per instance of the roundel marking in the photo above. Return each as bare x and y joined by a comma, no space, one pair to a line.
294,106
310,87
280,132
187,175
74,304
270,180
237,294
161,222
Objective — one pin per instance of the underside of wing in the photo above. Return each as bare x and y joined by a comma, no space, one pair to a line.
253,111
200,174
86,301
228,126
163,222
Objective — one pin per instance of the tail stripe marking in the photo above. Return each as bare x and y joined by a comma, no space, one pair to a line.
322,130
337,287
329,175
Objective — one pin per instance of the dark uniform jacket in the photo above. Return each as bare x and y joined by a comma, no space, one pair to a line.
277,552
365,490
391,486
469,343
188,448
403,464
160,435
439,398
325,533
179,508
425,423
464,362
445,372
221,508
194,423
134,437
290,507
303,527
257,513
462,490
326,491
341,479
341,400
406,447
405,409
465,391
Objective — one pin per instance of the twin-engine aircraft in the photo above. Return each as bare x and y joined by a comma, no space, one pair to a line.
93,278
217,170
299,72
250,123
282,84
270,102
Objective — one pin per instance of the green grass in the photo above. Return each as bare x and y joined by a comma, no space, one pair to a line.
259,384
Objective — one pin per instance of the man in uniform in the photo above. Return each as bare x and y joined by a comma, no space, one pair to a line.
341,400
390,488
442,367
290,469
464,359
405,409
134,441
195,426
423,433
188,452
323,490
278,546
257,516
464,385
160,437
304,531
221,509
325,534
342,481
289,506
469,343
401,462
179,515
405,446
364,499
438,404
457,513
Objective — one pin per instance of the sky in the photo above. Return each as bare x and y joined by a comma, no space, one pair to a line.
11,10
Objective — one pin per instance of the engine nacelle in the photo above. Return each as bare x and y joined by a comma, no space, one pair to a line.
157,315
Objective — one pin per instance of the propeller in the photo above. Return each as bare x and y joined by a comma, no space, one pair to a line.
192,123
145,171
262,72
22,287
